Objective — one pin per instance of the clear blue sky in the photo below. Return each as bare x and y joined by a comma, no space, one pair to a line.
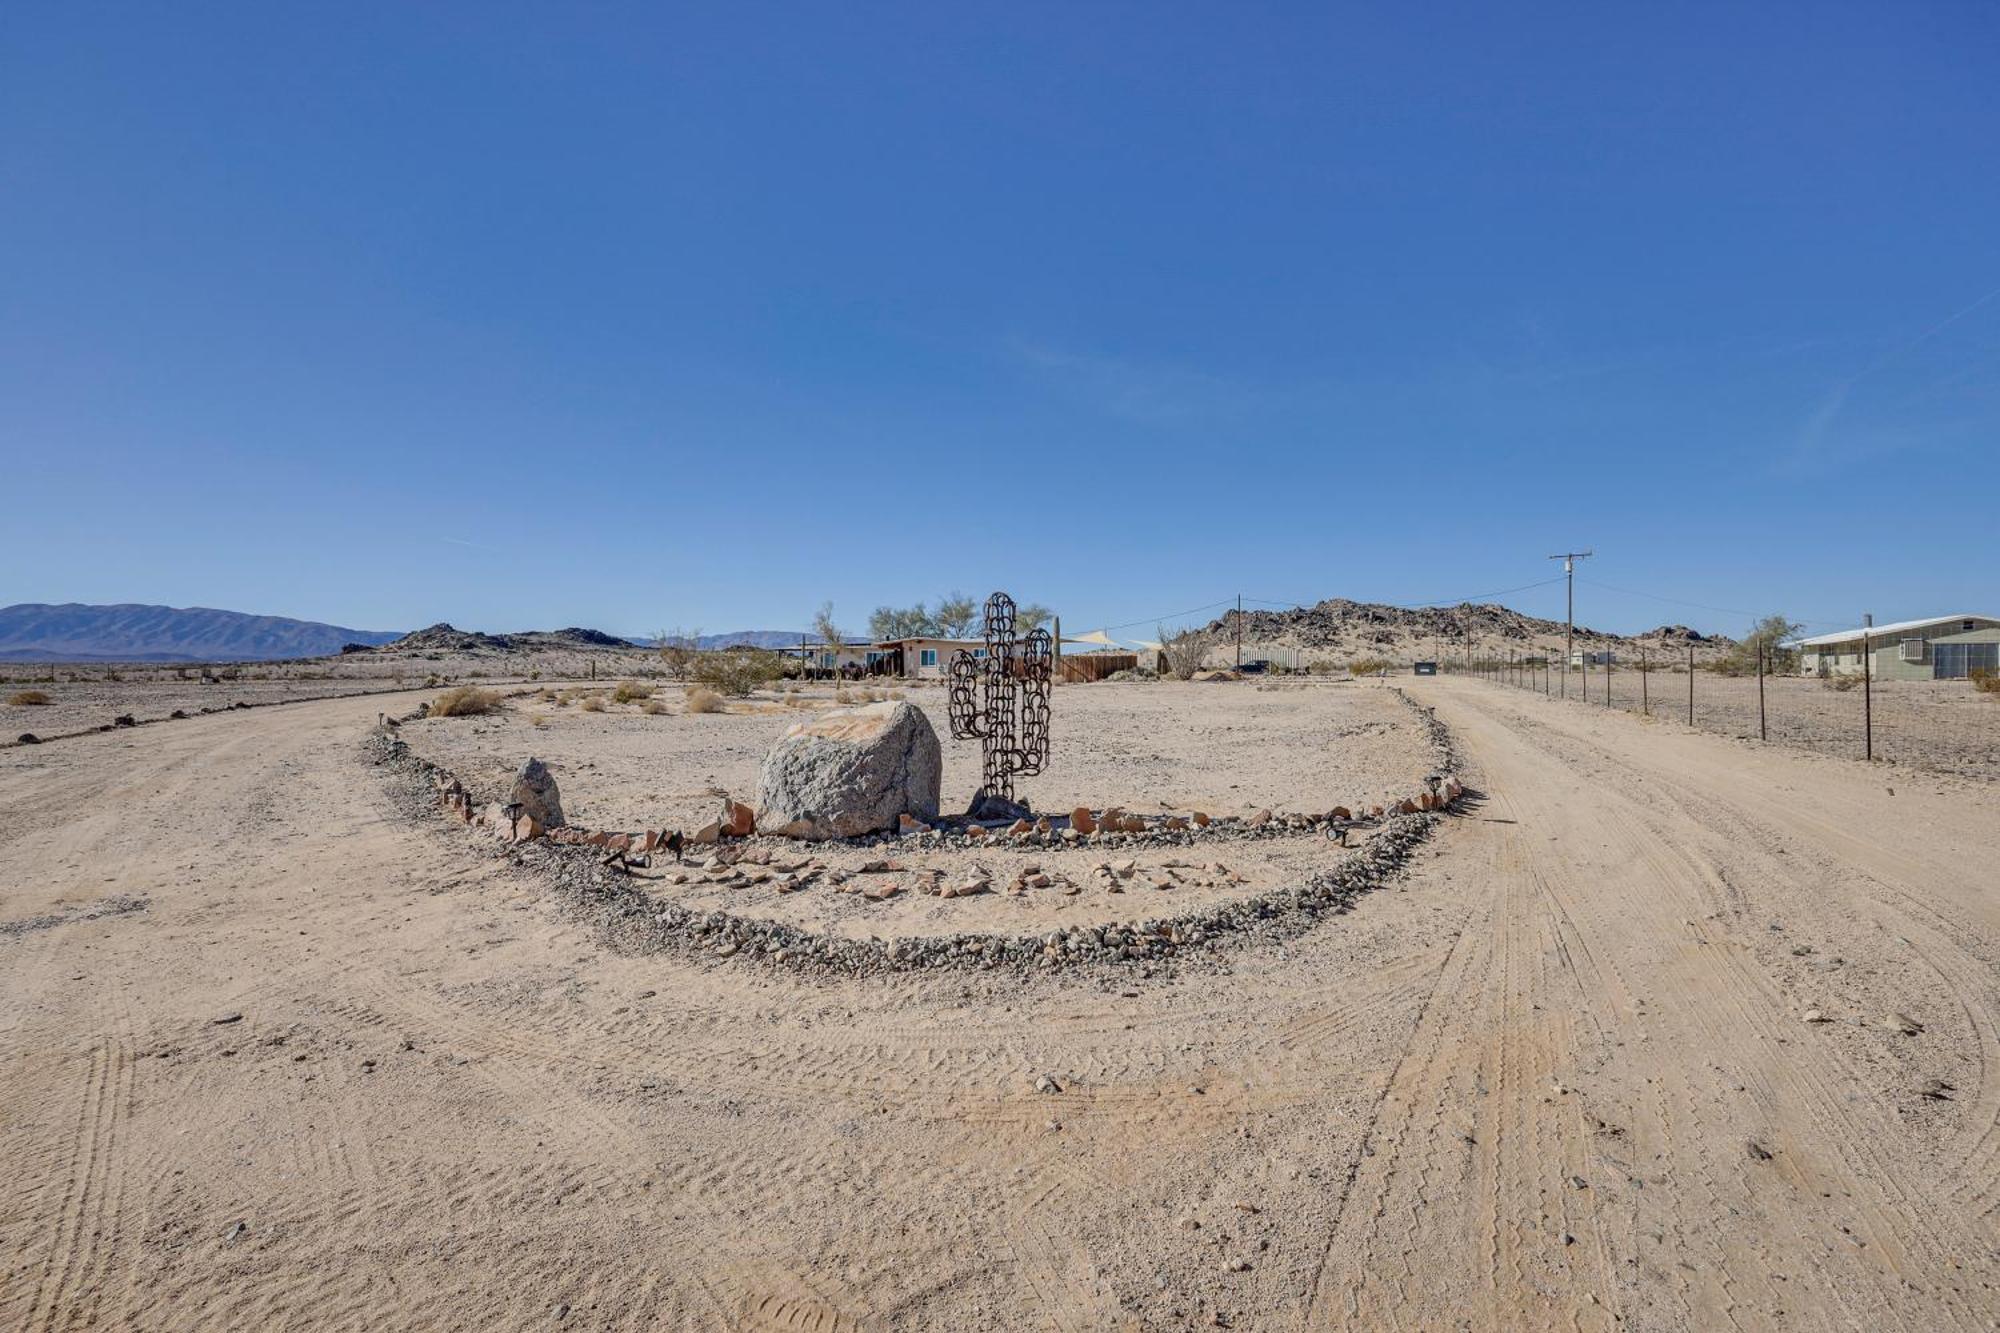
521,316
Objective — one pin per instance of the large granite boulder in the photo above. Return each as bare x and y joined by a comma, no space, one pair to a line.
536,795
851,771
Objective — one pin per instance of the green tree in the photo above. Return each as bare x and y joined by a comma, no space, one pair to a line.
1768,634
1031,616
955,616
911,622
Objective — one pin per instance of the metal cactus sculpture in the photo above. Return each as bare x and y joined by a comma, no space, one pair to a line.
1002,700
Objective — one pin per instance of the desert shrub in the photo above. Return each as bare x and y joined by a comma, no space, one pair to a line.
1185,651
545,694
1840,682
701,699
842,696
1985,681
654,707
631,691
27,698
737,671
593,703
539,719
1368,666
465,701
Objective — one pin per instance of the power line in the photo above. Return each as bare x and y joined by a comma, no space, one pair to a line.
1699,606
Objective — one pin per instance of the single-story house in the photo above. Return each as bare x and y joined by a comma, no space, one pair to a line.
921,658
1940,648
1597,657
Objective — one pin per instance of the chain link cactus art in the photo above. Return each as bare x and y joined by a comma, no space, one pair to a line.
1001,699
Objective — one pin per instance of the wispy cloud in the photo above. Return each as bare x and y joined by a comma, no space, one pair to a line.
1824,443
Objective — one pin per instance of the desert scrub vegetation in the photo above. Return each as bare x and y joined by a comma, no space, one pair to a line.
1368,666
701,699
631,692
465,701
1986,682
654,707
27,698
737,671
593,703
1185,651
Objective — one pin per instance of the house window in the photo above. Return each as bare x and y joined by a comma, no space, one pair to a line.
927,657
979,652
826,659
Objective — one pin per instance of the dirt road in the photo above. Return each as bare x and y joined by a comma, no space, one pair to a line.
272,1056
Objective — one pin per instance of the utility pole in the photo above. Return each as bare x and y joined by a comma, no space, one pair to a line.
1569,559
1239,631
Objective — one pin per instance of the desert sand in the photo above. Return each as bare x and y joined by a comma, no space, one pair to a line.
1660,1031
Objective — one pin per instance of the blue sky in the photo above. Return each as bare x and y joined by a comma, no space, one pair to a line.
519,316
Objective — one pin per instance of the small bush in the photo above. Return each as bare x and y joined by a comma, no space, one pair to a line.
737,670
1985,681
701,699
539,719
593,703
465,701
654,707
1368,666
631,692
1840,683
26,698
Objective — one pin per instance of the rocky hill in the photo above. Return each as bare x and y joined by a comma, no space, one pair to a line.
1340,629
132,632
446,638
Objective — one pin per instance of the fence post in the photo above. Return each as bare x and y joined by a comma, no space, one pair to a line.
1645,702
1763,732
1867,695
1690,685
1609,653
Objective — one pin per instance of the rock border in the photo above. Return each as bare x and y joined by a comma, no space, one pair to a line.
630,920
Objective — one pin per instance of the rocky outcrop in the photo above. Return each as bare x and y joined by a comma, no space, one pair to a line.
536,795
851,771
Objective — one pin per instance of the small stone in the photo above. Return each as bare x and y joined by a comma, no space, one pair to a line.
1080,819
1237,1266
1758,1152
1047,1084
1902,1023
1815,1016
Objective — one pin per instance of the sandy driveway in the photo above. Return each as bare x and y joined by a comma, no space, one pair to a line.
1562,1075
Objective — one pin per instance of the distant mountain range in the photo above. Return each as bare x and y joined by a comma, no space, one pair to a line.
74,632
130,632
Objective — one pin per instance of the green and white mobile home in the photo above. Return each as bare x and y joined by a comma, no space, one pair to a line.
1940,648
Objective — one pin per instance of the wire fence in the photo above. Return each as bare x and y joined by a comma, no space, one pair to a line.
1946,726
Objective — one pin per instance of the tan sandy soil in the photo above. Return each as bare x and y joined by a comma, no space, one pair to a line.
1148,747
1942,726
1561,1076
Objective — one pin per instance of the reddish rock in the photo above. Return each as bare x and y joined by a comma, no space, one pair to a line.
738,820
1080,820
1259,818
1200,819
526,827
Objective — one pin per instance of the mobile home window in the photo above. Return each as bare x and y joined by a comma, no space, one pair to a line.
927,657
